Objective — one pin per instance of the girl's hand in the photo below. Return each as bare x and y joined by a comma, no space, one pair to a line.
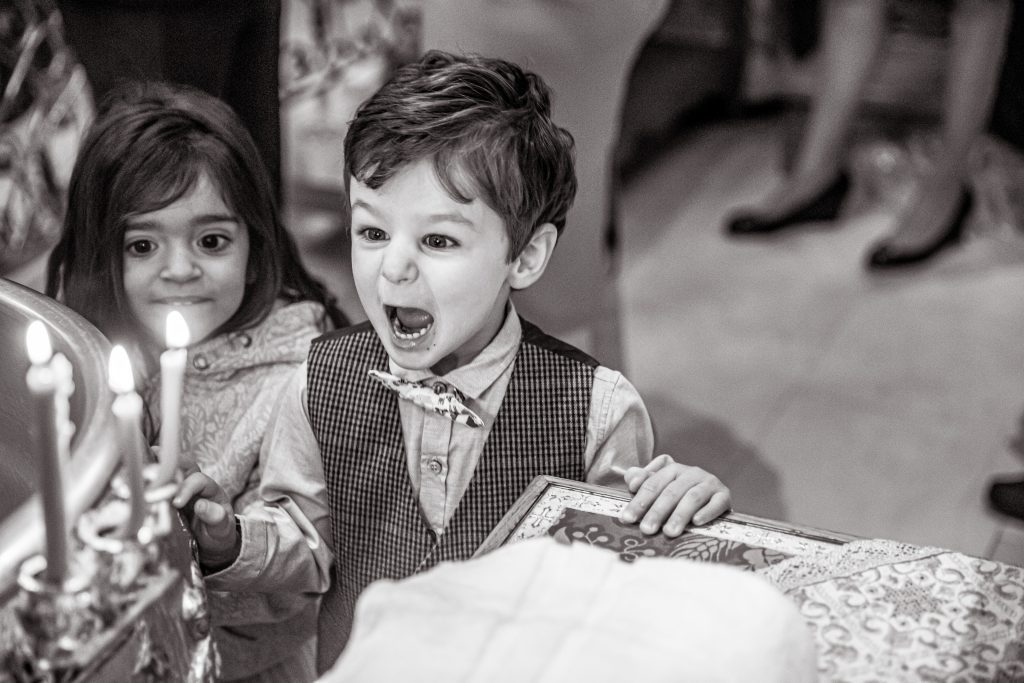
672,494
208,511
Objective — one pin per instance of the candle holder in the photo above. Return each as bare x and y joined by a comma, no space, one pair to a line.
56,621
122,563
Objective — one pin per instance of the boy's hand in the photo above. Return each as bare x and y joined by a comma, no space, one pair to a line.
672,494
209,513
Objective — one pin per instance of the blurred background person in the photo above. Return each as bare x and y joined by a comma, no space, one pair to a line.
819,180
46,107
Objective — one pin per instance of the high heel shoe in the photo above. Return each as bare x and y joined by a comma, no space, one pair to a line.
1007,497
887,256
823,207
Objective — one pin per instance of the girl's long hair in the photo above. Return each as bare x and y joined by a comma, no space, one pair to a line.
149,145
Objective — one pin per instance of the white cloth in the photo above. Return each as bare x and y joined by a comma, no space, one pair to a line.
543,611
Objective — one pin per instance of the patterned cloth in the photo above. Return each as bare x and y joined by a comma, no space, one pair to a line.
378,529
878,610
439,397
232,383
604,531
886,611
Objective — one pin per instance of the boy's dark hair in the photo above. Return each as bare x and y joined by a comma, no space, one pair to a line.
483,122
146,149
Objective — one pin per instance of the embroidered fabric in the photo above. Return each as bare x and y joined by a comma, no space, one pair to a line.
845,560
887,611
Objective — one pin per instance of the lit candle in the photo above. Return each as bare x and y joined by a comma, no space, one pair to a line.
127,409
63,375
172,378
42,385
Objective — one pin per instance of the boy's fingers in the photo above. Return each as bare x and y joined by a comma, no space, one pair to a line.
646,493
635,476
677,504
688,507
718,505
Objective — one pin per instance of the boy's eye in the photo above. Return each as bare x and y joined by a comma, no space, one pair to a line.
140,247
214,242
372,234
439,242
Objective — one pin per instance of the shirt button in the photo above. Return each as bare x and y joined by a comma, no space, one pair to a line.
200,363
245,340
436,466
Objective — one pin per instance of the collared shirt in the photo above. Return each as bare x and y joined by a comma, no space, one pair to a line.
285,546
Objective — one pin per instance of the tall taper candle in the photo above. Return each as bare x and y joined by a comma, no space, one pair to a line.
63,375
42,385
127,409
172,378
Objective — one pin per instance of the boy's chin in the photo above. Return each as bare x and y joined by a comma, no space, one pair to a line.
421,360
410,357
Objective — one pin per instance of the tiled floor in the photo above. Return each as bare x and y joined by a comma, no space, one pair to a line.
823,395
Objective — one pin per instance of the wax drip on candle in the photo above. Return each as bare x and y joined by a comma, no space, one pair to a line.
172,379
63,375
42,385
127,409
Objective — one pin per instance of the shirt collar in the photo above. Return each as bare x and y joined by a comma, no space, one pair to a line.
474,378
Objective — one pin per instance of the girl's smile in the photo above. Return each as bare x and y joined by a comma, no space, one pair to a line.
191,256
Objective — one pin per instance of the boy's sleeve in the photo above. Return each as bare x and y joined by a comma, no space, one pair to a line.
285,541
619,431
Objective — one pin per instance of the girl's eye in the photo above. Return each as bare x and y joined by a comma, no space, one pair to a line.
372,234
214,242
439,242
140,248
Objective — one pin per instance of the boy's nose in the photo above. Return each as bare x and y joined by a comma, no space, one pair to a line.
179,266
398,266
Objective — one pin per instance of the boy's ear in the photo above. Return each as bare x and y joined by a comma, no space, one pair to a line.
533,260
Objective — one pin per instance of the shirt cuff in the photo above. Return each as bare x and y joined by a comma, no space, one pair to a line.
250,561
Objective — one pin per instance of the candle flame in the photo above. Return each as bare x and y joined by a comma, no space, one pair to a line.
38,342
120,377
177,331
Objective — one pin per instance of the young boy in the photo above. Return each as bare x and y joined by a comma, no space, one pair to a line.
409,436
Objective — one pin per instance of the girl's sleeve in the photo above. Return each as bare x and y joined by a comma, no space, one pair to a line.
619,432
285,541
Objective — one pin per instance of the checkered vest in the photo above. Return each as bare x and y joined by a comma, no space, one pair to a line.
378,529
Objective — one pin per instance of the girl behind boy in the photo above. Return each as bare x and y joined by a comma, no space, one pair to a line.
171,208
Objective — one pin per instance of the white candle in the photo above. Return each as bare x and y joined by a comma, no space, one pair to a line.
63,375
42,385
127,409
172,379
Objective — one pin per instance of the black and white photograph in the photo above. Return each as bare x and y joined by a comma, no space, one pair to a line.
511,341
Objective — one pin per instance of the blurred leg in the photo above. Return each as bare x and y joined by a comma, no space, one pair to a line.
852,35
977,43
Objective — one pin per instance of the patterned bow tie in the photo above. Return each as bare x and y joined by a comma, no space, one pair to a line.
439,398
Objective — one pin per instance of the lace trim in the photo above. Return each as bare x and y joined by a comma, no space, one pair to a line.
850,558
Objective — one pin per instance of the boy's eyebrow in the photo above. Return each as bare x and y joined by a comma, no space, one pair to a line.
448,217
360,204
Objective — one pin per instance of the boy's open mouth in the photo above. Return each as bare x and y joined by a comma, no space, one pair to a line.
409,324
